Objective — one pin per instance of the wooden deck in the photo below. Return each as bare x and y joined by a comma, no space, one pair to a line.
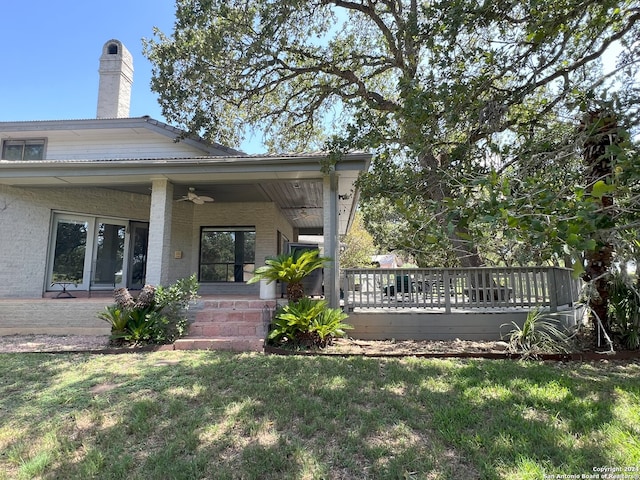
445,304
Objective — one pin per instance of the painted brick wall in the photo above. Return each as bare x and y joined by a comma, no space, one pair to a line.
25,222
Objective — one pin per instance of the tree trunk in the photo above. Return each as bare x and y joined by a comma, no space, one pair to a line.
438,190
601,130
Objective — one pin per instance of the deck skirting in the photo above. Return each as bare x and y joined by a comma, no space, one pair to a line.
438,325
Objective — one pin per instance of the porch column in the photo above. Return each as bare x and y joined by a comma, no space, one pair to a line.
159,249
331,240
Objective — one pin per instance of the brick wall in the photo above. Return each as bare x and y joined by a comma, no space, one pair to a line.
25,224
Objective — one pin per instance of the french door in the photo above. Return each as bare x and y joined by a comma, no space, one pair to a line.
94,252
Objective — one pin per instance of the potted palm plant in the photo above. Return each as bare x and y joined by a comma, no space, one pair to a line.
290,268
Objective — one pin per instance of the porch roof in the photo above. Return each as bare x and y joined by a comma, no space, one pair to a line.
292,181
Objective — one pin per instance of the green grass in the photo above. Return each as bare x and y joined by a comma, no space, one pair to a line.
204,415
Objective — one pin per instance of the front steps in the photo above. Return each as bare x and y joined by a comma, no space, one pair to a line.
238,325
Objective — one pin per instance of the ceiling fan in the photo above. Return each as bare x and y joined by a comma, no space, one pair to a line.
192,197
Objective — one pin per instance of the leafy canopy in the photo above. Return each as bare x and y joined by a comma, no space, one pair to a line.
472,107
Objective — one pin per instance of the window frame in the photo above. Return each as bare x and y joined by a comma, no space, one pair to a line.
92,223
24,142
234,273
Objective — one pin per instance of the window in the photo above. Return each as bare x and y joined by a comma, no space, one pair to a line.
23,149
227,254
95,252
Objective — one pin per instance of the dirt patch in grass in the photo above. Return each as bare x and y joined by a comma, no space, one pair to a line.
412,347
52,343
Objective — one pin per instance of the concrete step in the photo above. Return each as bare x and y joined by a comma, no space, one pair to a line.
233,344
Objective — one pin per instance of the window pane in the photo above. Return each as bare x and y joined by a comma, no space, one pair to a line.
217,247
216,273
227,255
12,151
71,244
110,253
249,247
34,151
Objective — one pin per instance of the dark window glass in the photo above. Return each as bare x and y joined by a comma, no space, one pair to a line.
227,255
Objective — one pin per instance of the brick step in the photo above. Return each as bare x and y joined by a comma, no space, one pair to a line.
219,315
233,344
227,328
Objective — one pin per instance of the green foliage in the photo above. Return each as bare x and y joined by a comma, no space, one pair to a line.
157,316
358,245
117,317
471,136
290,268
538,334
307,323
329,324
624,309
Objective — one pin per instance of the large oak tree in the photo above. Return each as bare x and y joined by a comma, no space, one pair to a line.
475,109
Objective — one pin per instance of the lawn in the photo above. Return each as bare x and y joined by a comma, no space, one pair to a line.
206,415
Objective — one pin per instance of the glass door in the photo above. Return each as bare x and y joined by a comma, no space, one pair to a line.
89,252
110,253
138,254
70,251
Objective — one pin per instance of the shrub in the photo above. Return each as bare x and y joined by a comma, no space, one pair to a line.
539,334
158,315
329,324
624,310
307,323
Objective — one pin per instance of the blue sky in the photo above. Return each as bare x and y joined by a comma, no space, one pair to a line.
51,52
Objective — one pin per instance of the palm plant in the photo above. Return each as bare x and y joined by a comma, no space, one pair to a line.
538,334
290,268
624,309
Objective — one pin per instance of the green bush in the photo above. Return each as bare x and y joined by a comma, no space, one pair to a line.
290,268
624,310
307,323
157,316
329,324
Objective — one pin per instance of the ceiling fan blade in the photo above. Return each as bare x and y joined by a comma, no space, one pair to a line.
197,201
205,198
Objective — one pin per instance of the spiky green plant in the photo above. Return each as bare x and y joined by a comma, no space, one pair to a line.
290,268
624,310
292,323
538,334
329,324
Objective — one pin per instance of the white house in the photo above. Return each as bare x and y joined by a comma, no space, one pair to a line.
93,204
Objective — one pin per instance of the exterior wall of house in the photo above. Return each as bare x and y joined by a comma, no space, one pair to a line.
26,213
25,219
266,217
111,144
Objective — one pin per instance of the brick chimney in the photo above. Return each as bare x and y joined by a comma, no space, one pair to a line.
116,78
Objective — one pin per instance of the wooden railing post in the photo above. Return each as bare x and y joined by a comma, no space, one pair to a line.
553,289
447,291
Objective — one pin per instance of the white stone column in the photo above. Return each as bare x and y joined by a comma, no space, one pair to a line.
159,248
331,240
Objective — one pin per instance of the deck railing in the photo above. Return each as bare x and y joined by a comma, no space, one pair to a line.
468,288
